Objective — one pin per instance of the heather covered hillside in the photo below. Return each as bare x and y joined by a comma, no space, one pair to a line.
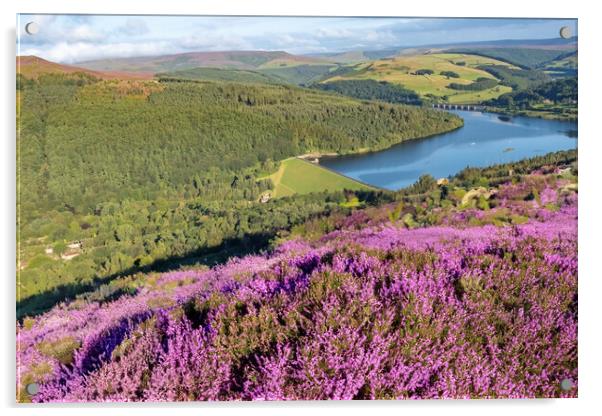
466,289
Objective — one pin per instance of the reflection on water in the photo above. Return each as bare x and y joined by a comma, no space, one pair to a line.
484,140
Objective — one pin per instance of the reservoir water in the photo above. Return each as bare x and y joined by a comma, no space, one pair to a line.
485,139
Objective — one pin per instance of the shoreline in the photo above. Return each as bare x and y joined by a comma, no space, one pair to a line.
315,157
543,115
365,150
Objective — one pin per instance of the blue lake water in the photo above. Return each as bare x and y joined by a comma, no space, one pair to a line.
485,139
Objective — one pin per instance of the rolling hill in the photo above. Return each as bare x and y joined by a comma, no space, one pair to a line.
33,67
556,43
223,59
300,74
293,74
356,56
432,75
218,74
524,57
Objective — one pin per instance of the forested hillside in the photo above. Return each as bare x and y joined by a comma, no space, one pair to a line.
85,142
556,98
120,176
369,89
300,74
517,78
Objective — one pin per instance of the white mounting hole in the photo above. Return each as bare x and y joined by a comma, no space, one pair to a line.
32,28
567,384
32,389
565,32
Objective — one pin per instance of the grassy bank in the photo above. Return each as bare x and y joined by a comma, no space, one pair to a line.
298,176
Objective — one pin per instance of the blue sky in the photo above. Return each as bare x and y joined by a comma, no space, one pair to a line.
74,38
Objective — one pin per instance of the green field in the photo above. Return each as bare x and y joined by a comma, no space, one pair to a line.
401,70
298,176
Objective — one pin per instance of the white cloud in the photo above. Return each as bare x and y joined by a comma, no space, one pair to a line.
71,52
213,41
71,38
335,33
133,27
53,29
83,33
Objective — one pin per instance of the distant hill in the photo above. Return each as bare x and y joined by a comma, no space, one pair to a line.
551,43
356,56
301,74
453,78
33,67
523,57
219,74
294,75
182,61
253,60
348,57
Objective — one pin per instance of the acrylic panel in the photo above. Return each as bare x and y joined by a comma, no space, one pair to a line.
295,208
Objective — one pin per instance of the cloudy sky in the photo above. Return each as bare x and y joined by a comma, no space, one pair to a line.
74,38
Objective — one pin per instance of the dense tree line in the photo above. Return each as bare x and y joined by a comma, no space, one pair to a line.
561,91
220,74
424,72
500,173
516,78
479,84
450,74
369,89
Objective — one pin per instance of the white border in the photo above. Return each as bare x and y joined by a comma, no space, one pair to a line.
590,158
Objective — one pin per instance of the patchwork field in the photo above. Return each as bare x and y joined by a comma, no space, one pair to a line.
297,176
402,70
